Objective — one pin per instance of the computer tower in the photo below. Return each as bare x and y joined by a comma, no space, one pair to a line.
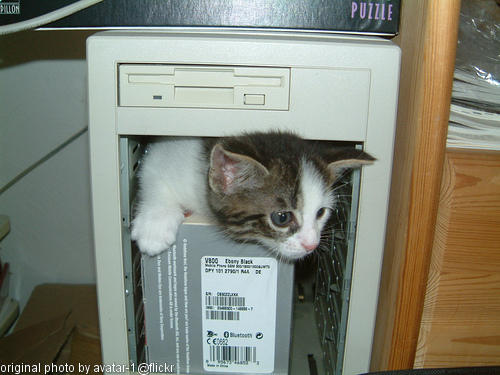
212,83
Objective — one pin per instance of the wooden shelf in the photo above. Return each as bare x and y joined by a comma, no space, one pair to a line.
439,303
461,316
428,39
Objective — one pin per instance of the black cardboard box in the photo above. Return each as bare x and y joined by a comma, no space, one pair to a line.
378,17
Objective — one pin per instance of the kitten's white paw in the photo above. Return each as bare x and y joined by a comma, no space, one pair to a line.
155,232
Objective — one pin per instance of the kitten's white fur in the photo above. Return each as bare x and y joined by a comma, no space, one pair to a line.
173,180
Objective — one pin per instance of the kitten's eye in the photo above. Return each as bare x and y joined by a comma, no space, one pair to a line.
321,212
281,218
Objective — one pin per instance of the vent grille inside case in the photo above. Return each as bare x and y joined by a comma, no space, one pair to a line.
130,155
333,279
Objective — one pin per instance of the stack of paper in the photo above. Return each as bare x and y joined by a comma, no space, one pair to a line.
475,114
475,104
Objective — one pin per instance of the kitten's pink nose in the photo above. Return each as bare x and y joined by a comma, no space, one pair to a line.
309,246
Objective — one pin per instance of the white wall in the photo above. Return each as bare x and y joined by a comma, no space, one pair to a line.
43,104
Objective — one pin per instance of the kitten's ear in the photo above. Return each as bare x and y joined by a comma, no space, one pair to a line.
344,158
230,172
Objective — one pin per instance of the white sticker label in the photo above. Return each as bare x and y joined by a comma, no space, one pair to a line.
238,313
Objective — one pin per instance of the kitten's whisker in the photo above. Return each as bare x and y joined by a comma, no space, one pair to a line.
342,195
337,187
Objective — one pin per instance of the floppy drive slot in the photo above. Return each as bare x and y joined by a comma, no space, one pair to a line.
203,86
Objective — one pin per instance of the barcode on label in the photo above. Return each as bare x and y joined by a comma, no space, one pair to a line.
233,353
224,301
222,315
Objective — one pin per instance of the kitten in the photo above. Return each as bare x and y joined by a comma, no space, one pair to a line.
270,188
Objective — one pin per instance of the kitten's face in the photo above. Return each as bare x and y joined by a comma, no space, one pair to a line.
295,222
283,205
